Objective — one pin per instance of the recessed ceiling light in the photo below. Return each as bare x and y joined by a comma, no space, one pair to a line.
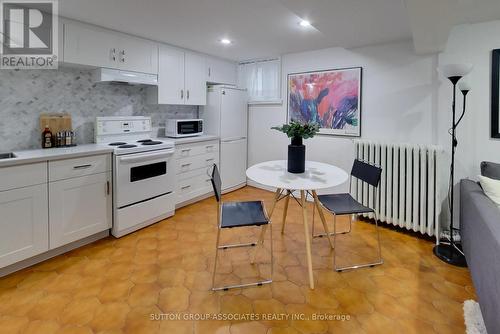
226,41
305,23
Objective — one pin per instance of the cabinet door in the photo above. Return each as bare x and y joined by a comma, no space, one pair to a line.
138,55
87,46
170,76
195,79
24,224
79,207
221,72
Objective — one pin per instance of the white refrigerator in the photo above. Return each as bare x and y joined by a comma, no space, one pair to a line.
226,115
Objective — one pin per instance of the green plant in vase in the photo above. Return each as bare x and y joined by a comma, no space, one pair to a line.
296,150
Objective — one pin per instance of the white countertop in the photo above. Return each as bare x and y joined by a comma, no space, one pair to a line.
39,155
196,139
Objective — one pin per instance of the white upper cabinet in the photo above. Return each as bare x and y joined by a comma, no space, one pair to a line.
95,47
195,81
170,88
181,78
221,71
138,55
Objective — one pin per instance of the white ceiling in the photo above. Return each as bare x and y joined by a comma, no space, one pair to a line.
263,28
259,28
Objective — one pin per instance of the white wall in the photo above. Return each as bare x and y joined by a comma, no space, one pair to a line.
399,103
471,43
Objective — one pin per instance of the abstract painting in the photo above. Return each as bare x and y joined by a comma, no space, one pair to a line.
331,98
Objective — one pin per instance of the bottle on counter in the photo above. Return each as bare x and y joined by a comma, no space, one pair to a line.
46,137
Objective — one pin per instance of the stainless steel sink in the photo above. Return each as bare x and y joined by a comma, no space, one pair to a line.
9,155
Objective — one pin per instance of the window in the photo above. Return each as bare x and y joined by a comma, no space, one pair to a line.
262,79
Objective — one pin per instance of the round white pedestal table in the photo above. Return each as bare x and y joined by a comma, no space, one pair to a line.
317,176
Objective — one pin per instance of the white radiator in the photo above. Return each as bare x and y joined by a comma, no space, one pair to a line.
409,187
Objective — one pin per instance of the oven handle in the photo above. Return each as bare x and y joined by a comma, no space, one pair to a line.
146,157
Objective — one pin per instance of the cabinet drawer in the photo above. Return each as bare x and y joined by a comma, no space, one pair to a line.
190,150
192,187
23,176
193,163
71,168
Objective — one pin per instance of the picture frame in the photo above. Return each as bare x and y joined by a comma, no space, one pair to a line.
495,94
332,98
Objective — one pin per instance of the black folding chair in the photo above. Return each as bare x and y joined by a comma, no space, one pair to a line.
345,204
239,214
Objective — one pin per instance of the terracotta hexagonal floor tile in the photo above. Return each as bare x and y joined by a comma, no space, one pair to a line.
70,329
287,292
169,277
215,327
20,302
248,327
110,316
139,320
353,301
63,282
305,325
174,299
144,294
235,305
41,327
271,312
49,306
115,291
177,326
321,298
13,325
204,302
90,286
79,312
145,274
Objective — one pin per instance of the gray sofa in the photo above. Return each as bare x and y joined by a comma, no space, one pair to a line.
480,231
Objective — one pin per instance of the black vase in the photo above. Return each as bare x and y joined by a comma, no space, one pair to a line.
296,156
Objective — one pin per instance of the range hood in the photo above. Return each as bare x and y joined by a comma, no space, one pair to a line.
107,75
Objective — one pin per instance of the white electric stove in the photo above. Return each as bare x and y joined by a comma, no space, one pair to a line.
143,172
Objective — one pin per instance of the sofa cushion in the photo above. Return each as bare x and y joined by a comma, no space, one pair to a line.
490,169
491,188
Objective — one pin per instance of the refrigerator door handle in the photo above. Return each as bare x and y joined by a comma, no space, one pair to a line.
230,140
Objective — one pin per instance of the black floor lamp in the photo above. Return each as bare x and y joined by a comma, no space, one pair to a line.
451,253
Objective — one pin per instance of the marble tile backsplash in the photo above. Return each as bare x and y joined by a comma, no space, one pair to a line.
25,94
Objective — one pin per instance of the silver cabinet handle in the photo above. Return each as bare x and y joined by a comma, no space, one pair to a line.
113,54
107,188
209,71
186,150
186,165
182,93
122,58
185,187
187,94
82,167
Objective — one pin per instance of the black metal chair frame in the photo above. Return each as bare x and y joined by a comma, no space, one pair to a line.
334,233
258,244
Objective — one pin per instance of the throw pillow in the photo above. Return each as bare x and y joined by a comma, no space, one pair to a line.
490,169
491,188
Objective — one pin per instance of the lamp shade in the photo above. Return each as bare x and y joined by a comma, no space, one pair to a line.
455,70
464,86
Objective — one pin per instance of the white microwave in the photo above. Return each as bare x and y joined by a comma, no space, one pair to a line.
178,128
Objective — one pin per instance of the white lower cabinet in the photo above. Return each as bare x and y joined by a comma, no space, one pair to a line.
24,223
79,207
194,164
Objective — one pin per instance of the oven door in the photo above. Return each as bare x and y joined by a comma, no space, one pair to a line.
143,176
